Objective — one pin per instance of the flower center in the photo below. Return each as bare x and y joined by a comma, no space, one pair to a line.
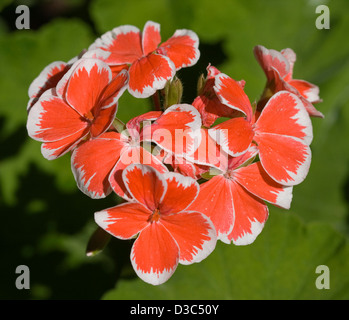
229,175
89,116
155,216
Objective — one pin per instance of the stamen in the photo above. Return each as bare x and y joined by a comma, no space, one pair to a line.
89,116
155,216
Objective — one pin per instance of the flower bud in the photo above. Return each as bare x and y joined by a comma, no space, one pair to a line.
200,84
98,241
173,92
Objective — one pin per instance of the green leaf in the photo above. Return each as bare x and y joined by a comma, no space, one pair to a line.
130,107
109,14
322,196
4,3
280,264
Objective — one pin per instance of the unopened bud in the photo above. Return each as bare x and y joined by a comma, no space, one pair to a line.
173,92
98,241
200,84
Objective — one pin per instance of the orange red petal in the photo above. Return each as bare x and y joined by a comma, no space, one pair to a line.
93,161
148,74
181,48
155,254
194,234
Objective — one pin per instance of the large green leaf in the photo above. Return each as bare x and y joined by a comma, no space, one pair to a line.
109,14
324,194
280,264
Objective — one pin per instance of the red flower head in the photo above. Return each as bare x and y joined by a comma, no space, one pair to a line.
278,68
207,102
47,79
233,199
168,233
83,104
177,130
150,65
282,132
98,164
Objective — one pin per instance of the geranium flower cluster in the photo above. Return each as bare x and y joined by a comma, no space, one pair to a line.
189,174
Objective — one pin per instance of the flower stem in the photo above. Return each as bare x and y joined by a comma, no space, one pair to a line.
119,125
156,101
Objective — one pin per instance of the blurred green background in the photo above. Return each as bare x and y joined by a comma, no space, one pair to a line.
47,222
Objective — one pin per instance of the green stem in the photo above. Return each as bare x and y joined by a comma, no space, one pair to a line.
156,101
119,125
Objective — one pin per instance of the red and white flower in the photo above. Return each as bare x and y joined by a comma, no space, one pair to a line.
97,164
207,102
168,233
177,130
47,79
234,199
150,64
278,68
283,131
82,105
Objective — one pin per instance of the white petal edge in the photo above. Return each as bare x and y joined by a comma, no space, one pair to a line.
183,181
107,38
82,183
157,84
207,247
218,86
144,169
248,238
153,277
195,38
302,116
302,171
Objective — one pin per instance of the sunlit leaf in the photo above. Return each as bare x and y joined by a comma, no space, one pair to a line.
281,264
